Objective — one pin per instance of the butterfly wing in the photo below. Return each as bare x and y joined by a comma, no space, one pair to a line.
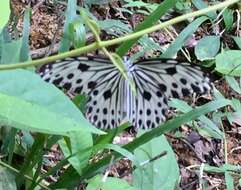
110,97
96,77
157,81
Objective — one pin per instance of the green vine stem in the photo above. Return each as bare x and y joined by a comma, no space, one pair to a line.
106,43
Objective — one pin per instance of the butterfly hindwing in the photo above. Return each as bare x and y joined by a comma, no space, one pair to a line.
159,80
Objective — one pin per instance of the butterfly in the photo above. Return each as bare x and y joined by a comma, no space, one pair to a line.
110,98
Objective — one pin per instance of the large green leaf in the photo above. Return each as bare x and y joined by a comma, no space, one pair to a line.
229,62
207,48
25,115
162,173
109,183
37,105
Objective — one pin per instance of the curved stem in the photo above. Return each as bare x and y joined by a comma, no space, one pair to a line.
101,44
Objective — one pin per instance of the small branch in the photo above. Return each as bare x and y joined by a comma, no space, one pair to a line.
154,158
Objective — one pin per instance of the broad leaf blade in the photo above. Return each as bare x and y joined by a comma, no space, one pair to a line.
26,88
207,48
229,63
108,184
162,173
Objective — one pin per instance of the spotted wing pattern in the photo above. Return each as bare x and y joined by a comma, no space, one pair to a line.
110,98
159,80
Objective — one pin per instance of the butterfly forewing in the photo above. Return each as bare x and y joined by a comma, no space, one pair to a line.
98,79
110,97
172,78
159,80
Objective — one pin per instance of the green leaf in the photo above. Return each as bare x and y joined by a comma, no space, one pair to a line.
78,144
7,56
234,117
229,62
237,41
210,128
233,84
183,37
229,181
200,4
20,47
149,21
32,158
162,173
46,109
111,134
94,149
68,179
114,27
4,13
7,179
80,101
8,144
236,104
207,48
36,118
78,33
228,18
164,128
222,169
70,17
103,183
24,51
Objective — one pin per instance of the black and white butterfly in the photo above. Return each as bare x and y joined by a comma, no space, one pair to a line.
111,101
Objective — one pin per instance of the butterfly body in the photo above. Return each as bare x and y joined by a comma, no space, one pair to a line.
111,99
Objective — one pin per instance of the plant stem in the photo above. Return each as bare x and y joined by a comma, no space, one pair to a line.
102,44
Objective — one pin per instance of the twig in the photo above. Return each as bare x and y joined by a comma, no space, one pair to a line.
154,158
